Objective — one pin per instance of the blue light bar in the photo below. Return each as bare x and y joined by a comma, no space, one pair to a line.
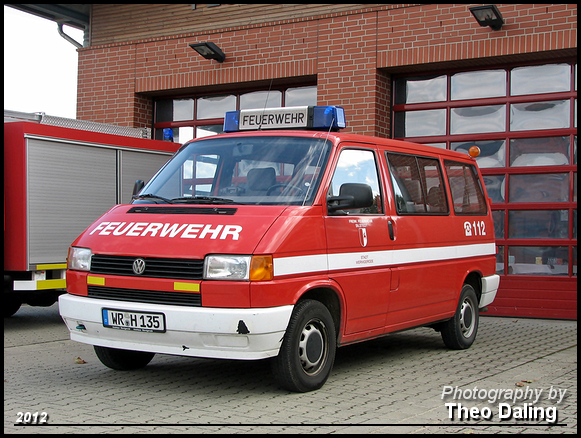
301,117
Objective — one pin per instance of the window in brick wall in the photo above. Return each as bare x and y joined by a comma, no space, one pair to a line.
184,118
524,120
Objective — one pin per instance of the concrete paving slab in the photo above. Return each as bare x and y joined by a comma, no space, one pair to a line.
389,385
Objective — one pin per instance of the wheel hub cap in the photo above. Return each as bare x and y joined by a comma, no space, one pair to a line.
467,319
311,348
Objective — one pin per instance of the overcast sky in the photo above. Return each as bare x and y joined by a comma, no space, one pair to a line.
40,66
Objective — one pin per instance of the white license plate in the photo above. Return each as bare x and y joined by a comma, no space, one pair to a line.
130,320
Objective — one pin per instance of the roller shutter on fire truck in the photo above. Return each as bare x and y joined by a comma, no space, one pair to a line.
57,181
71,185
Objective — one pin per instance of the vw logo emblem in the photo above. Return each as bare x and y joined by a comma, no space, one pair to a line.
139,266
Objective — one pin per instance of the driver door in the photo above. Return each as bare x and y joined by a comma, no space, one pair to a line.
358,243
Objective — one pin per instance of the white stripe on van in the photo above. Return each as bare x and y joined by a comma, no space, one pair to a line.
359,260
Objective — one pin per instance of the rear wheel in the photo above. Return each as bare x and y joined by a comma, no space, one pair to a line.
307,353
459,332
123,360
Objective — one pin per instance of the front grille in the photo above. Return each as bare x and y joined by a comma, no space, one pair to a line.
182,269
146,296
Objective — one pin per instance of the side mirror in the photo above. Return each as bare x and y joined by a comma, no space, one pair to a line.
139,184
351,195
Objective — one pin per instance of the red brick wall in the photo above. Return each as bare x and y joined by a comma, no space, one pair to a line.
106,86
351,54
442,33
346,68
112,23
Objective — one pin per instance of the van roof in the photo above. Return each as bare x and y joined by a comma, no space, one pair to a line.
338,137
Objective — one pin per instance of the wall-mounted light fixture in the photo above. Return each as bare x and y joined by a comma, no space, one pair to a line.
488,15
209,51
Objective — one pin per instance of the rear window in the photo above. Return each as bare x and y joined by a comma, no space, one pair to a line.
467,194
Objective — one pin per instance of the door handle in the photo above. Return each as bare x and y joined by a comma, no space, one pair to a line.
390,229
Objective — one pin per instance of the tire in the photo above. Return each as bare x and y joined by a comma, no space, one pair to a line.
42,299
308,349
12,303
123,360
459,332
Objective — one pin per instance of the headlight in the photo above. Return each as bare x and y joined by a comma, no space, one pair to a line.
226,267
237,267
79,259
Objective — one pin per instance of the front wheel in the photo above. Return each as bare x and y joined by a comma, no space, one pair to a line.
123,360
308,349
12,303
459,332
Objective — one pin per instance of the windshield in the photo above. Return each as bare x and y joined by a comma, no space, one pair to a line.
257,170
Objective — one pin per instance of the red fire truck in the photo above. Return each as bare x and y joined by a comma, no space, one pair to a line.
285,244
59,176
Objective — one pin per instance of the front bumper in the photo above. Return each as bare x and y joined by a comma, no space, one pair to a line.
190,331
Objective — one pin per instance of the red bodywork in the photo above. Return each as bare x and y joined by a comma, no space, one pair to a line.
383,283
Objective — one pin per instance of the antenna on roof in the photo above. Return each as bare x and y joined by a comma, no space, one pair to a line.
266,102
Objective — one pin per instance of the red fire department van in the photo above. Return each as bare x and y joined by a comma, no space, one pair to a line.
285,244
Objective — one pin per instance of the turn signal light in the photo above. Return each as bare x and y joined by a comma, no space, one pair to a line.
261,268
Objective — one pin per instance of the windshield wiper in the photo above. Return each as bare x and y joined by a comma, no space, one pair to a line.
202,200
152,196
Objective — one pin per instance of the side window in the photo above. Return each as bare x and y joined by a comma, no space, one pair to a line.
467,193
417,184
358,166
